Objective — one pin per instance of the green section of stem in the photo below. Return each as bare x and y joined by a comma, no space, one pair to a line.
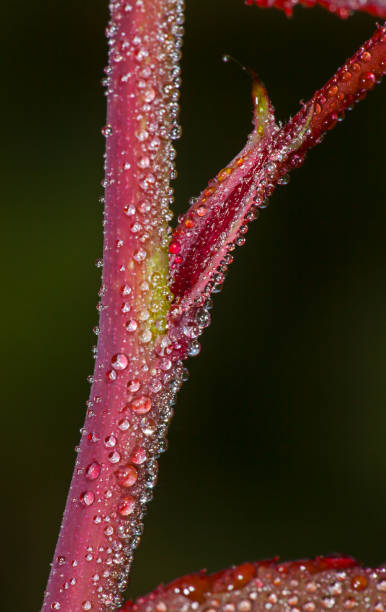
160,296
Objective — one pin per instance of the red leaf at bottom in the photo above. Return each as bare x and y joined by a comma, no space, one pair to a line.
325,583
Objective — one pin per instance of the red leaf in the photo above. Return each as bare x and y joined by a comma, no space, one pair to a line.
324,583
342,8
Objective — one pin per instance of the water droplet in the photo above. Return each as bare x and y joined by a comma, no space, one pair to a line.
155,385
142,135
114,457
110,441
148,426
125,290
366,56
144,315
336,588
174,248
127,476
139,456
135,228
55,606
359,583
87,498
86,605
127,506
133,385
124,424
223,174
293,600
165,364
107,130
111,375
93,437
140,255
119,361
93,470
368,79
191,330
129,210
146,336
141,405
125,307
109,530
381,586
143,162
284,180
194,349
175,132
333,90
131,325
203,317
328,602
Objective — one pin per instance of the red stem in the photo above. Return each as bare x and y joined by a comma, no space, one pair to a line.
349,85
138,368
135,379
218,219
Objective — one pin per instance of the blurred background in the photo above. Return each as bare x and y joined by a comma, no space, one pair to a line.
277,446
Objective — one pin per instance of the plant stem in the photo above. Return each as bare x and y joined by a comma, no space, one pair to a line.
218,219
135,379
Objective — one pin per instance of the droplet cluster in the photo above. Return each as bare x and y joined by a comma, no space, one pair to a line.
138,370
342,8
329,583
216,222
350,84
146,329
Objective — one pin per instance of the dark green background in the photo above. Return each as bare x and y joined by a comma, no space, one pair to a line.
278,442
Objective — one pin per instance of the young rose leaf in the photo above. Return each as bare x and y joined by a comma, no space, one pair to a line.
212,223
325,583
342,8
217,221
